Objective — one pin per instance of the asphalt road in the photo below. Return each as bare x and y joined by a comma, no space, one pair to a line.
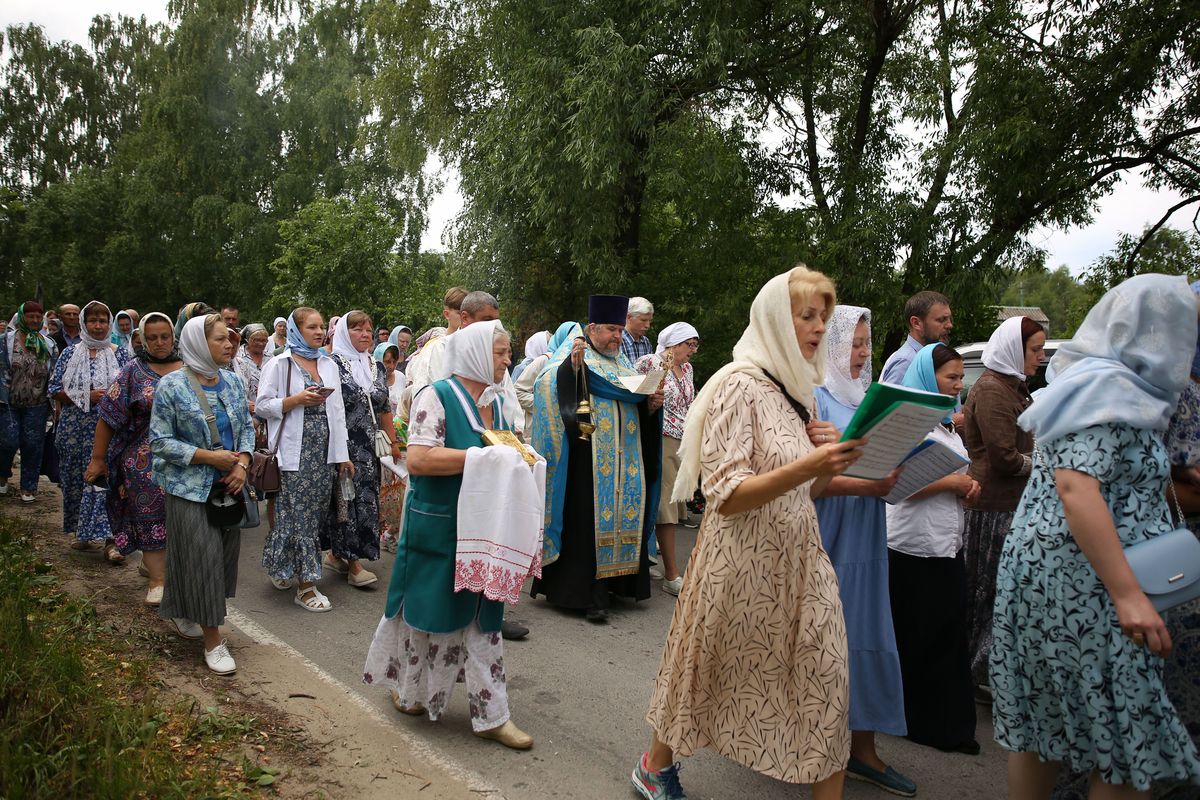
579,689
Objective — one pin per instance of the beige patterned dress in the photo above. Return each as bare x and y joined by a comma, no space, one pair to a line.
755,663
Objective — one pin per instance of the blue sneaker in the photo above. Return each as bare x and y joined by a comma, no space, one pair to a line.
660,785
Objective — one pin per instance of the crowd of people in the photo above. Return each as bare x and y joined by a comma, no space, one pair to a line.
811,614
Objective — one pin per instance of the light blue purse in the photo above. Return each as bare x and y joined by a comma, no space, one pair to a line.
1167,567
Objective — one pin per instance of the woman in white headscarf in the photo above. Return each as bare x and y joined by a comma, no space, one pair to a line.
136,504
81,376
430,634
194,470
759,614
1001,459
536,345
854,533
278,335
352,533
1078,648
681,340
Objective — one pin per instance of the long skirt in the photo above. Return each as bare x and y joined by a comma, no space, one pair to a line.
983,541
73,438
291,549
423,668
929,614
202,564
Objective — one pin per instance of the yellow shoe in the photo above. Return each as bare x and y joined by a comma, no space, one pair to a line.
508,735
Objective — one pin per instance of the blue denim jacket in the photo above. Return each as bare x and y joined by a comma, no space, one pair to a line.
178,429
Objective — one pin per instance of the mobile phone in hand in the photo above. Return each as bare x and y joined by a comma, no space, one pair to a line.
324,391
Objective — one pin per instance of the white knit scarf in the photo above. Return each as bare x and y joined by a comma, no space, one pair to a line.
83,373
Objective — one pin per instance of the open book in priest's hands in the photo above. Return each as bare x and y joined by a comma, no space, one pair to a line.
894,420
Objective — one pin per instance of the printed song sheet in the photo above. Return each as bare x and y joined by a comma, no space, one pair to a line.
932,462
893,438
643,384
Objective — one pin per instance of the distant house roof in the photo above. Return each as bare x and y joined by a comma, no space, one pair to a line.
1033,312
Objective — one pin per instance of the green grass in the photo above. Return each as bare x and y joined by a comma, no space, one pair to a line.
80,718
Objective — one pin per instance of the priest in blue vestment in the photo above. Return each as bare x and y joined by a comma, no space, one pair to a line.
602,467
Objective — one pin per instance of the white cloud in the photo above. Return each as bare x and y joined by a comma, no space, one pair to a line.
70,19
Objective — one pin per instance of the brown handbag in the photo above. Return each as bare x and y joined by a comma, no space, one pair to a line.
264,473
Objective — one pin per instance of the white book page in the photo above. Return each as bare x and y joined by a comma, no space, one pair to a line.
931,464
643,384
893,438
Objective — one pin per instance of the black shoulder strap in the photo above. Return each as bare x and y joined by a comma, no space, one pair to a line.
796,405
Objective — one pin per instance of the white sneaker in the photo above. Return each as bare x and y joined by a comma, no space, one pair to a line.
187,629
219,660
673,587
3,489
656,572
154,596
26,497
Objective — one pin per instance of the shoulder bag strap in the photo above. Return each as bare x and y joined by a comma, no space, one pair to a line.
205,409
283,418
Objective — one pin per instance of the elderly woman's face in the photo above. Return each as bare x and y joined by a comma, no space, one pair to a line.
403,339
124,324
219,346
160,336
808,318
257,343
360,336
684,351
33,319
501,357
96,322
280,329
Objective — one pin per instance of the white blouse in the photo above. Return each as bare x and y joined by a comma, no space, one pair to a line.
931,527
269,406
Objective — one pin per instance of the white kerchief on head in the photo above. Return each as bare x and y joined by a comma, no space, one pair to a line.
1005,352
84,374
363,367
1127,363
193,349
768,348
673,334
469,355
845,389
537,345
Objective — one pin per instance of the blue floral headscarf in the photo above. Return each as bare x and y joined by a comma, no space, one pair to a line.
296,342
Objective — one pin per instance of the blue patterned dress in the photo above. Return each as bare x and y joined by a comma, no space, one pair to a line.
74,435
1068,685
291,549
358,536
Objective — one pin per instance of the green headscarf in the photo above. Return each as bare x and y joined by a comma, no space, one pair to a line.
34,342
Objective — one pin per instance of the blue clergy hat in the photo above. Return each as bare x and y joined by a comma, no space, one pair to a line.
608,309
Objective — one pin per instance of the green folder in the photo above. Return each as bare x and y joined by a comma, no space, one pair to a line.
883,398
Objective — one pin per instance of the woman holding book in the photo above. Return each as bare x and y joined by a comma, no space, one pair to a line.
854,533
755,665
1000,454
928,583
431,636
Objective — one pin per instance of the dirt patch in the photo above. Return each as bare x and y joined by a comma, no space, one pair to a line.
312,737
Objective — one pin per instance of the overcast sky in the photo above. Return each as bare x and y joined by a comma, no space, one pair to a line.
1127,210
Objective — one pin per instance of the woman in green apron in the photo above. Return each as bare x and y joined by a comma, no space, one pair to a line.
431,636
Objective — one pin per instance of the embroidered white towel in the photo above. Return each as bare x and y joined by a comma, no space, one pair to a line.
501,508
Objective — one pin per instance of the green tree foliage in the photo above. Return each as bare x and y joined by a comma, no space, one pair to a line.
1163,250
202,141
1056,292
605,145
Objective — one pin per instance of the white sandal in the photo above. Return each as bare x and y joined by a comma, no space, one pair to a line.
317,603
282,584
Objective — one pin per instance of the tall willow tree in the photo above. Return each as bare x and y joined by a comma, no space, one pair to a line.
896,144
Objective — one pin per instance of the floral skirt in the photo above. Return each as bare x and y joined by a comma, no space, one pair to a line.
423,668
291,549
